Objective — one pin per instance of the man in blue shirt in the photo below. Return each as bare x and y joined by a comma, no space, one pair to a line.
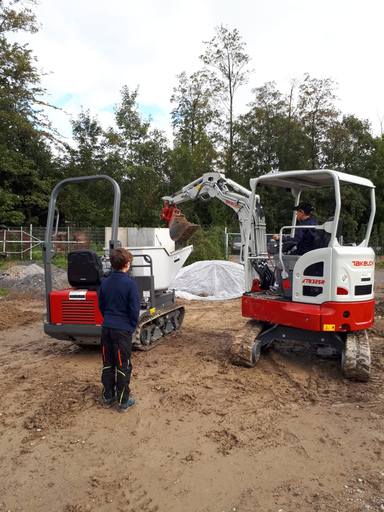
303,237
119,303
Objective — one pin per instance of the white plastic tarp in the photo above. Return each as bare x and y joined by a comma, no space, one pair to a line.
210,280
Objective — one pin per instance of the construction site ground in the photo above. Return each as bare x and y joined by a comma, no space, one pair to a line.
204,436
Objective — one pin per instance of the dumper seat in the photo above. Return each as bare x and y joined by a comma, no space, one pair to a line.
85,269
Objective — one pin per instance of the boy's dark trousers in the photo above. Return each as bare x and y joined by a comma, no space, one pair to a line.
116,349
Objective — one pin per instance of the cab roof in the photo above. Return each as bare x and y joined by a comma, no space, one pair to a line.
309,179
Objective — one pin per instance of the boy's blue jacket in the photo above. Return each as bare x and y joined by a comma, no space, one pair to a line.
119,302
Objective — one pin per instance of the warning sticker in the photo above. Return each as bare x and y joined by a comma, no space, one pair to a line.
328,327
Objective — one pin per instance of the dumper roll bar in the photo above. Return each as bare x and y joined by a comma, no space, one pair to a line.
48,246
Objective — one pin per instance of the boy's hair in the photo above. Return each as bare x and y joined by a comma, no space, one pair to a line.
119,258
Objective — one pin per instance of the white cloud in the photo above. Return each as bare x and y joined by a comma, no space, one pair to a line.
93,48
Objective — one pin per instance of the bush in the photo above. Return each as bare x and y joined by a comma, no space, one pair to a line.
208,245
60,260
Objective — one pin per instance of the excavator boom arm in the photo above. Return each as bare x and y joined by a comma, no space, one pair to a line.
236,197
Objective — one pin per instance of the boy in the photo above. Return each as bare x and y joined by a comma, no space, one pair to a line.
119,303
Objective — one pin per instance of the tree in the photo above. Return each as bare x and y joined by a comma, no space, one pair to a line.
144,162
225,53
194,121
12,20
259,133
317,114
26,163
86,204
195,111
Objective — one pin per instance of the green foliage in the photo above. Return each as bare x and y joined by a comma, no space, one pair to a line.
96,246
26,167
13,20
143,155
298,129
208,245
225,54
3,292
60,260
317,113
194,121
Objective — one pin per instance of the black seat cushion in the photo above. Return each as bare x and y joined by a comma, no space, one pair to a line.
84,268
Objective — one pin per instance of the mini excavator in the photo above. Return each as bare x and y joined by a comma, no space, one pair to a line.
326,295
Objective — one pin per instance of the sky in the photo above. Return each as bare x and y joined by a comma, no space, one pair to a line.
90,49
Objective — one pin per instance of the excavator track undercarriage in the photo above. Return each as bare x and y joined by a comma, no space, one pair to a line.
152,328
245,349
355,351
356,358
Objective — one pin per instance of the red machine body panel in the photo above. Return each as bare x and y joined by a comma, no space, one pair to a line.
330,316
65,310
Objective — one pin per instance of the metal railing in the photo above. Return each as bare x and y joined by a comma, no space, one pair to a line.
23,241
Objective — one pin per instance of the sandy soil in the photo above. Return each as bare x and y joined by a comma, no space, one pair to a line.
205,436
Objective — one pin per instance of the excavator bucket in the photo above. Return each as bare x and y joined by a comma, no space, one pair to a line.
180,229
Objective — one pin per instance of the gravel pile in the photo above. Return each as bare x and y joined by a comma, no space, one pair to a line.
29,278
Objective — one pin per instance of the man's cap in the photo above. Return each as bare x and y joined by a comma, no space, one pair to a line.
304,207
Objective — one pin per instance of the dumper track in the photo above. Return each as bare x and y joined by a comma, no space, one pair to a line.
153,328
245,349
356,360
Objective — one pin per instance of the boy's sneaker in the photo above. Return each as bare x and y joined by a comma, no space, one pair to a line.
127,405
108,402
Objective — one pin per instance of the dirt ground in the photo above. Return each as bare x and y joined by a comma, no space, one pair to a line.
204,436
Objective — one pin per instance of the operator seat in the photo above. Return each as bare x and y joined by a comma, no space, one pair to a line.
323,237
85,269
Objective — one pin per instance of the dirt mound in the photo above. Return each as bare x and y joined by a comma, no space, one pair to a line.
11,316
28,279
62,402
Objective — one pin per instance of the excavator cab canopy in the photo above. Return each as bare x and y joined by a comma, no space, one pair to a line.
296,182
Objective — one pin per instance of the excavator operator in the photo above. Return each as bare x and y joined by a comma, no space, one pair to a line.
303,237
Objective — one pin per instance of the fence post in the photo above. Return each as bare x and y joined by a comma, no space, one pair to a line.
21,242
68,240
30,242
226,242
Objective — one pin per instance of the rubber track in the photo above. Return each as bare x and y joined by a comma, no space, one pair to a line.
357,357
243,342
147,319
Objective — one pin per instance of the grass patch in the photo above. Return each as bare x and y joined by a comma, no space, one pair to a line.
3,263
60,260
4,292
